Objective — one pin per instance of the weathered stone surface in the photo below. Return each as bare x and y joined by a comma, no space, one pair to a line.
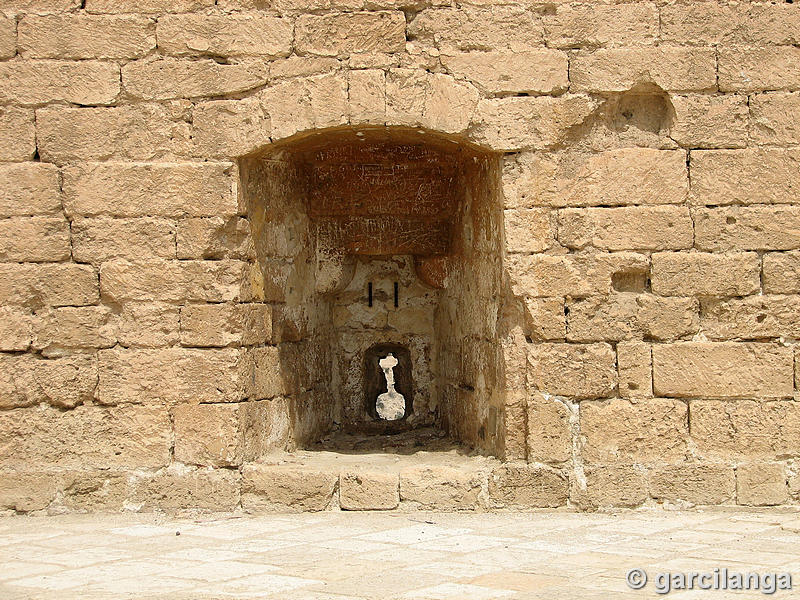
526,486
172,281
625,431
693,483
575,370
753,317
41,6
549,438
540,71
635,369
81,36
147,6
42,81
750,176
144,189
528,230
8,37
35,286
367,96
704,274
263,373
340,34
99,240
225,324
516,123
34,239
62,382
17,134
215,238
723,370
761,484
171,375
93,490
703,121
747,228
175,78
782,273
28,189
28,490
754,69
545,319
208,434
612,485
368,490
615,177
178,487
229,128
621,316
289,488
626,228
266,425
441,488
15,330
148,325
580,26
69,328
751,429
774,118
225,35
88,437
135,132
671,68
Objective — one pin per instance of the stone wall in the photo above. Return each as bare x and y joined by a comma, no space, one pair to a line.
647,299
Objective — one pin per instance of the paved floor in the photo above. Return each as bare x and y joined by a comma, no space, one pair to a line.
341,556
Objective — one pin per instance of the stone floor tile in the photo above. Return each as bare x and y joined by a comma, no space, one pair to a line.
459,591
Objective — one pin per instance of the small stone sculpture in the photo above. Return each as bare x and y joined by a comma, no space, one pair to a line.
391,405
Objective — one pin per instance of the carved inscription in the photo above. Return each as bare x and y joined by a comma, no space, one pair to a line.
382,236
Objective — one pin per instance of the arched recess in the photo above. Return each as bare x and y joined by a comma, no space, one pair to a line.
378,235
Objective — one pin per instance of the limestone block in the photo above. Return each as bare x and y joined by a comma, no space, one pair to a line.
248,34
782,273
549,438
612,486
435,101
746,428
266,425
62,382
580,26
303,66
693,483
340,34
15,330
171,375
635,369
28,189
722,370
147,6
150,189
172,281
441,488
175,78
135,132
35,286
286,488
93,490
43,81
611,178
69,328
34,239
367,96
747,228
540,71
88,437
41,6
208,434
99,240
514,426
754,69
705,274
528,486
26,491
207,325
368,490
215,238
545,319
753,317
626,228
229,128
751,176
81,36
574,370
265,372
306,103
761,484
178,487
672,68
621,316
703,121
774,118
626,431
148,325
517,123
17,134
8,37
528,230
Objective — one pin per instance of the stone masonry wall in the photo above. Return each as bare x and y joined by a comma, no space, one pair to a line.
651,171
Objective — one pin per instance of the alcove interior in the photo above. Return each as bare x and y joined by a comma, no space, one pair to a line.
371,240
